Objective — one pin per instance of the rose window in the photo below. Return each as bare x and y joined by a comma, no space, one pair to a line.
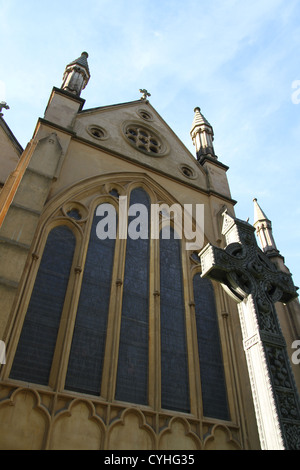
143,139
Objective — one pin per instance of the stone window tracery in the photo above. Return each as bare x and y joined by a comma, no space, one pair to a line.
144,139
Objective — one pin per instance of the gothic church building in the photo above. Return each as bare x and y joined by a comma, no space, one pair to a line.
144,342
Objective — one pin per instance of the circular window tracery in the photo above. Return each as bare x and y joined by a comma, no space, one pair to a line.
144,139
187,171
145,115
75,210
97,132
74,214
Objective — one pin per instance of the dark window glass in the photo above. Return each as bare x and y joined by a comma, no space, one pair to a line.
35,351
132,377
174,366
88,344
74,213
214,395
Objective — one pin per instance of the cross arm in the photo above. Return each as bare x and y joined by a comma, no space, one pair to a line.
243,270
226,267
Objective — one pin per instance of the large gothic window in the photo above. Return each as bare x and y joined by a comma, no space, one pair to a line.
174,368
88,344
214,397
34,355
131,300
132,377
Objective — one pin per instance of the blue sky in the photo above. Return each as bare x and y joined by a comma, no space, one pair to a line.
237,60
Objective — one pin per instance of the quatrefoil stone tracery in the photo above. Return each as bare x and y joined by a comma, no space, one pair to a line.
143,139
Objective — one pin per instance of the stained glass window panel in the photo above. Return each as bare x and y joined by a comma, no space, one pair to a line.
35,351
88,344
174,365
214,396
132,377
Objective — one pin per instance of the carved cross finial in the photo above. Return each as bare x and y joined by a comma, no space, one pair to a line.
145,93
4,105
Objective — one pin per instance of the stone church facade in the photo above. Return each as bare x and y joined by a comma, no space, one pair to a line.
137,342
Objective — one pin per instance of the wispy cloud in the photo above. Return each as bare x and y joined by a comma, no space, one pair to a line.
235,59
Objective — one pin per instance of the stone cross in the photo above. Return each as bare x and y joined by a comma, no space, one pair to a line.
248,275
4,105
145,94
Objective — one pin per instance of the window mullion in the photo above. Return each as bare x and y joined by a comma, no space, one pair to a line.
154,328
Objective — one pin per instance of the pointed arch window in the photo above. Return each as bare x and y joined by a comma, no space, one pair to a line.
174,366
88,343
214,395
145,309
132,376
34,355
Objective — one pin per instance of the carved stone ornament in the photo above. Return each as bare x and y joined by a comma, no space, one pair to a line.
248,275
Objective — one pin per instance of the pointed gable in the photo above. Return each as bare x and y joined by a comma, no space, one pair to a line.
136,132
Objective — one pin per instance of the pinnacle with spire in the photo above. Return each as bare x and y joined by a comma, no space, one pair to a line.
202,135
263,229
76,75
264,233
